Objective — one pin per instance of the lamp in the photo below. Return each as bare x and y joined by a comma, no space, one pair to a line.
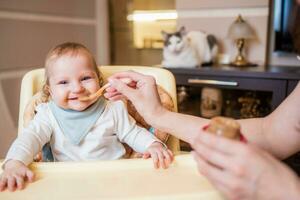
240,31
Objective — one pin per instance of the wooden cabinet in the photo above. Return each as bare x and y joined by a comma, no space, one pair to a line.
280,81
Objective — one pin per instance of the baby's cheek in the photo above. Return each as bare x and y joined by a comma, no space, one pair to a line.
93,87
59,96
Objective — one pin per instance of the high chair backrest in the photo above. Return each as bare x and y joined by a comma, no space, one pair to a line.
33,81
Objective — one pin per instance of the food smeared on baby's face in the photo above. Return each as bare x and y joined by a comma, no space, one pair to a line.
71,77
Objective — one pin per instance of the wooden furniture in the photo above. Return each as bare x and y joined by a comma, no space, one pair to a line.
119,179
278,80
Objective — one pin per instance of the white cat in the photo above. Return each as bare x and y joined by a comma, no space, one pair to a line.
188,50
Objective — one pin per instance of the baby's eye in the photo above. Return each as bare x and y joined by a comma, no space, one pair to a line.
86,78
62,82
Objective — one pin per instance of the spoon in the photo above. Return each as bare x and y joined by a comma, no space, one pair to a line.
101,90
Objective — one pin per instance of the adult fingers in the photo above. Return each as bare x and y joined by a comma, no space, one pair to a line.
112,94
215,174
225,153
114,97
215,157
231,188
110,89
138,79
222,189
205,168
123,88
135,76
219,143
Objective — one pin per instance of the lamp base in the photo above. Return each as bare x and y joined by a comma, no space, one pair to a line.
241,61
246,64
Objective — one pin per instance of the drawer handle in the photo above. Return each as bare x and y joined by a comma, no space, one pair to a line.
213,82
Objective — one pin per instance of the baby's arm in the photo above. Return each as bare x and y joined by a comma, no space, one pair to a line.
127,131
140,139
22,151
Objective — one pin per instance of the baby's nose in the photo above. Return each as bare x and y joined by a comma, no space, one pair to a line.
77,88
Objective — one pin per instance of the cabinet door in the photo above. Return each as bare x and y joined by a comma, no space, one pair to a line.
277,87
291,86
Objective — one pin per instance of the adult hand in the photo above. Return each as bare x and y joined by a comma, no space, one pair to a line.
242,171
141,92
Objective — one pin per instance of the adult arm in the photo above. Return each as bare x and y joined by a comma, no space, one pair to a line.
238,170
278,133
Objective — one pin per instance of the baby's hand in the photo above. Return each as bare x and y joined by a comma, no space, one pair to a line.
161,156
14,175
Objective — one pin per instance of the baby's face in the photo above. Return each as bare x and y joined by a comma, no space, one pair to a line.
71,77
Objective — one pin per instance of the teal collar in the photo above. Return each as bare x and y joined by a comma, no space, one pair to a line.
76,124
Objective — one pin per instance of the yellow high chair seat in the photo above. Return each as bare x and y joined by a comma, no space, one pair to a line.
33,81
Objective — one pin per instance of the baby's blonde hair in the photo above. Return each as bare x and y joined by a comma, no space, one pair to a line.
61,50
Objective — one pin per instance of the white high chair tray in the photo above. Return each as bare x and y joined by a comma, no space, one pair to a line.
120,179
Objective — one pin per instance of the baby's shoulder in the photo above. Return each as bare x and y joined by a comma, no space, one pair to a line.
42,107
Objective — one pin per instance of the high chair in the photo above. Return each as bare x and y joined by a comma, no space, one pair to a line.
117,178
32,82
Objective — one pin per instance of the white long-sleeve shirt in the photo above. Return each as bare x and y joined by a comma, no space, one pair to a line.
103,141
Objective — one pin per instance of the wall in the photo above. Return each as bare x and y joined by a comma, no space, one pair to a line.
214,16
28,30
123,51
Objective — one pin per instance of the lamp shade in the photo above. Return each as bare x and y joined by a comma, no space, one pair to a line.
240,29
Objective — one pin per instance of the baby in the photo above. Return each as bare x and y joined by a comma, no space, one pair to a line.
77,130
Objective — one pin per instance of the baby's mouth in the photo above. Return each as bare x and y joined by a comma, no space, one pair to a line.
73,98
